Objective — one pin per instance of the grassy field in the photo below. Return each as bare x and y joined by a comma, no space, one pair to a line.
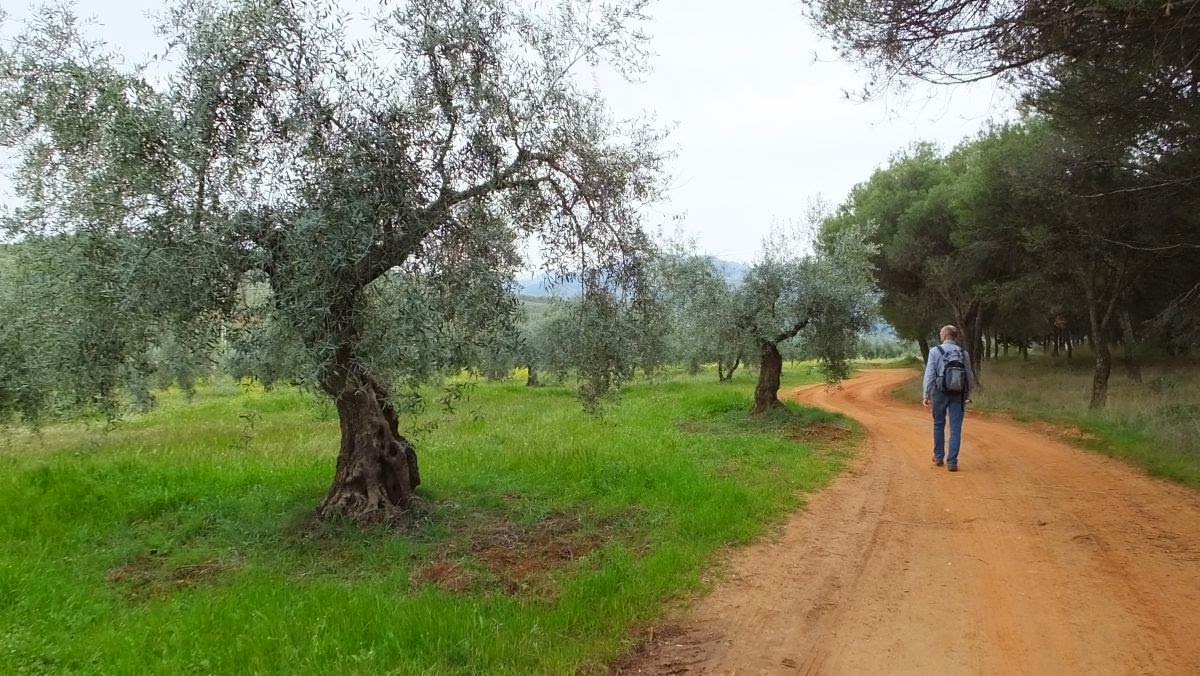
1154,424
176,542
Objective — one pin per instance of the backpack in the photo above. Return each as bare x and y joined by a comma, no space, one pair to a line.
954,374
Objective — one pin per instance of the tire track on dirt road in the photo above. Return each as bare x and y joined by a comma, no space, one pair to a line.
1036,558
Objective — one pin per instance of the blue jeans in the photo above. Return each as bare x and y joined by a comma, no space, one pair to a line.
942,404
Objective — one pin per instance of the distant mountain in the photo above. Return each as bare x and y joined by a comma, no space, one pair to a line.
882,329
732,271
538,288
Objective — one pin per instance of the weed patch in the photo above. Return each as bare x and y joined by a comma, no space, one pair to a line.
151,576
496,553
821,433
448,575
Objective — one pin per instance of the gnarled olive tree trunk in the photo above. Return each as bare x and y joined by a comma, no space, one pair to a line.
376,467
770,368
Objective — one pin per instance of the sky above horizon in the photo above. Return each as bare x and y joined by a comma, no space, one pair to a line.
756,101
762,122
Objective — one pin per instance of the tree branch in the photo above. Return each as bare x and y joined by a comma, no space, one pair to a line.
795,329
401,241
1166,247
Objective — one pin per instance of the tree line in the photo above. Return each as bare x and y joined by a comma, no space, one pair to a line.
1077,223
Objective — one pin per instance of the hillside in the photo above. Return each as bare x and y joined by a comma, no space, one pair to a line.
536,286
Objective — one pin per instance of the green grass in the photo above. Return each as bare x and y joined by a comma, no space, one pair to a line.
1154,424
172,543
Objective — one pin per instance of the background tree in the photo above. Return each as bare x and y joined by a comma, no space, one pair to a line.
341,161
1025,233
925,279
550,339
1130,63
821,297
1062,209
1117,80
702,310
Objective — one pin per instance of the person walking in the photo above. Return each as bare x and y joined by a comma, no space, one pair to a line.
947,386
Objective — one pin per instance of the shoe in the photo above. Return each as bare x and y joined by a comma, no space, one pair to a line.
938,462
952,468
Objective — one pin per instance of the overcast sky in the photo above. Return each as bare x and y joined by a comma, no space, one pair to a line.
757,103
763,124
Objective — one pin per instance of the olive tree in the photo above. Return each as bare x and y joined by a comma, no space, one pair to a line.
822,298
549,340
702,310
375,173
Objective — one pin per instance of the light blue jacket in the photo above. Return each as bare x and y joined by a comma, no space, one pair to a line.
934,367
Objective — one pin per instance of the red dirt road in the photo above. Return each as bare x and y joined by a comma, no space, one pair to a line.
1036,558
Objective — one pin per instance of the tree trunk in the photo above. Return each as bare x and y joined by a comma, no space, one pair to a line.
1100,315
693,366
725,375
1128,341
972,340
923,342
970,329
1070,340
1025,350
1103,356
770,368
1100,377
376,467
532,380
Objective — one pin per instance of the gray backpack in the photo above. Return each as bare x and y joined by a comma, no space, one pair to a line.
954,373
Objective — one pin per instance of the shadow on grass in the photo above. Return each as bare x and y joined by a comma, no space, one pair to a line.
791,420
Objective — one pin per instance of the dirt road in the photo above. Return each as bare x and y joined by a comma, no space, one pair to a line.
1036,558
